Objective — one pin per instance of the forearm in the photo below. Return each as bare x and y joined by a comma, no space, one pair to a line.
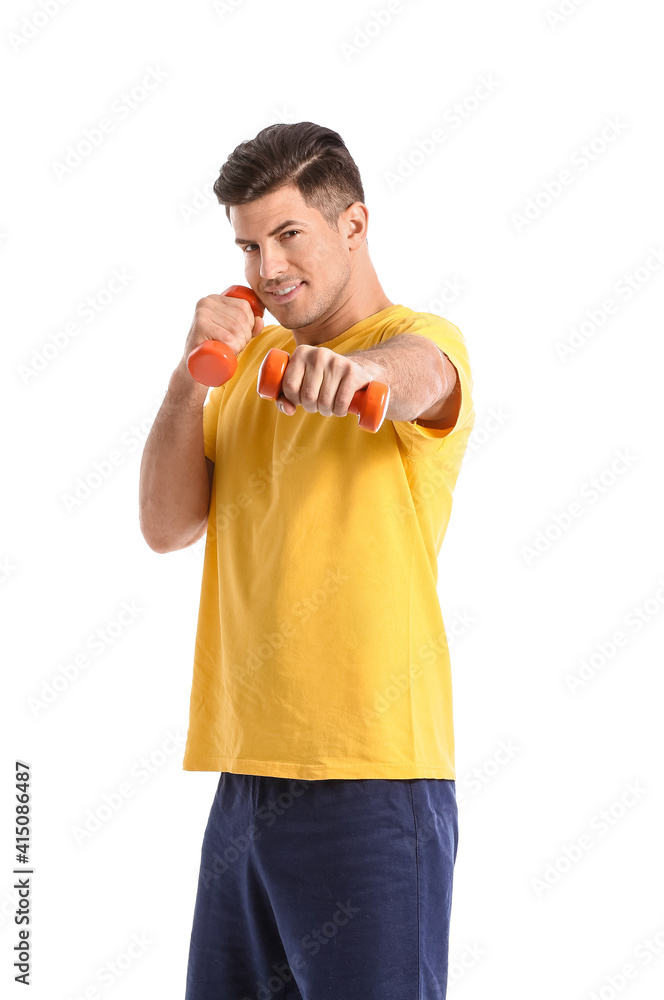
174,490
416,371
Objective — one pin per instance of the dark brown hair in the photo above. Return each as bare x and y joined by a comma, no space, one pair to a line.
310,156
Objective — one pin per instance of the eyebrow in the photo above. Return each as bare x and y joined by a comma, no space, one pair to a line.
282,225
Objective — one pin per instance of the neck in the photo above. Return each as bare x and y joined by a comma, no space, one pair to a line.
362,297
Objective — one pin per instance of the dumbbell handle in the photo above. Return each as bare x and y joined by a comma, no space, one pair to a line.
213,363
369,403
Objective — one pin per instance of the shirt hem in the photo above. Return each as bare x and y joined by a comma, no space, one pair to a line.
345,769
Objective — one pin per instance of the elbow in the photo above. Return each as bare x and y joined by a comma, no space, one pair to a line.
160,547
156,543
163,544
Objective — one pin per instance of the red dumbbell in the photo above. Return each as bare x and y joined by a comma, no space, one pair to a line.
213,363
369,403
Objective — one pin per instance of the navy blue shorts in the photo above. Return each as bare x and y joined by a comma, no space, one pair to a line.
333,889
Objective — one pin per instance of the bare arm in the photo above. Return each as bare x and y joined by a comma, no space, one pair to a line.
424,384
176,474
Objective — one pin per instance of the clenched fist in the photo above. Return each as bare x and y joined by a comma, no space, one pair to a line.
223,318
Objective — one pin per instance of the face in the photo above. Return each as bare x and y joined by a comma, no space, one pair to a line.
286,242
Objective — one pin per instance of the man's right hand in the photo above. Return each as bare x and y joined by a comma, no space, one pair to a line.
223,318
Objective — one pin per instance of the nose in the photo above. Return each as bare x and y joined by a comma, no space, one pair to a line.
273,263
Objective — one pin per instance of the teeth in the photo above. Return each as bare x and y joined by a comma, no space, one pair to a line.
285,291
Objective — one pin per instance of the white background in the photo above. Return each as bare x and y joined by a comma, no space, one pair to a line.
527,921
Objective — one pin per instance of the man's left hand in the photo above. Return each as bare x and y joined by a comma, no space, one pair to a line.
321,381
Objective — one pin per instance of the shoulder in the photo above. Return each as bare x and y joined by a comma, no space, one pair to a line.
436,328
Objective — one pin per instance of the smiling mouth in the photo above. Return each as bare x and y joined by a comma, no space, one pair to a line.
286,293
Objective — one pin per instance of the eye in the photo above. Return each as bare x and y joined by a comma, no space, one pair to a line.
247,247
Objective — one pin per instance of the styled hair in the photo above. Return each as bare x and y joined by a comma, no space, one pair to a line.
310,156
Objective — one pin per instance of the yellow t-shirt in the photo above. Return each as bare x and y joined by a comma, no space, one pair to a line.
320,648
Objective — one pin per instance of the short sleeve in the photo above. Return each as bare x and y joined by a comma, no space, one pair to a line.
210,420
415,438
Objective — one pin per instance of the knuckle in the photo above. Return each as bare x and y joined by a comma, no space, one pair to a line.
342,402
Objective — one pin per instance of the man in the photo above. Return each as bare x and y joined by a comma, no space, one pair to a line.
321,682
